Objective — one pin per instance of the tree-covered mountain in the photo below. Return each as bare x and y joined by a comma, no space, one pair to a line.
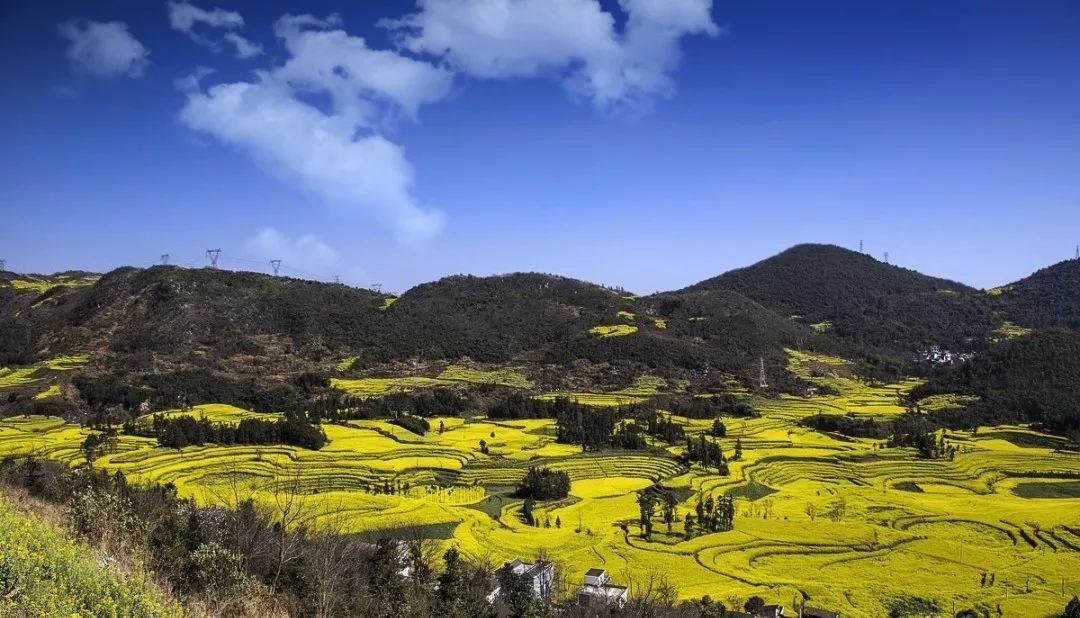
868,303
168,319
1047,298
1034,378
172,330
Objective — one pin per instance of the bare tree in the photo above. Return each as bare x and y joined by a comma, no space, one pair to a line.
287,517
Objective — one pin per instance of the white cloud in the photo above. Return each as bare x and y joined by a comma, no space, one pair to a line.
185,17
244,48
362,82
103,49
574,40
319,151
340,152
304,253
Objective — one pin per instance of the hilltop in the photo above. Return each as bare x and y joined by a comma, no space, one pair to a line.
861,300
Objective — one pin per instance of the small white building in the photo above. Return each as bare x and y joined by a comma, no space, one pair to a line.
597,591
539,574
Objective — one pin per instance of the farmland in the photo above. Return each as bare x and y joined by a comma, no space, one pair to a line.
841,522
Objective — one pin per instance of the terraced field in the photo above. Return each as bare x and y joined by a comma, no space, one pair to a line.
842,523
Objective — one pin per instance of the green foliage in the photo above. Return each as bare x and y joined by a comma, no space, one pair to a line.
544,484
43,574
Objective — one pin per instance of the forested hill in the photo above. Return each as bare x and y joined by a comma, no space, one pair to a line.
263,330
167,319
1048,298
863,301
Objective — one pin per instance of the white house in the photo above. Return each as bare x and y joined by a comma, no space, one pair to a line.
539,574
597,590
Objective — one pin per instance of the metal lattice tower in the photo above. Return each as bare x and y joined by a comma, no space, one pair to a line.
761,379
3,264
860,247
377,287
164,259
212,255
275,264
886,257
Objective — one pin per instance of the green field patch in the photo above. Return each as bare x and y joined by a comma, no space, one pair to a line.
1067,489
908,486
1026,439
346,363
1008,330
44,284
948,401
387,301
627,315
500,377
11,378
821,327
751,491
52,391
68,362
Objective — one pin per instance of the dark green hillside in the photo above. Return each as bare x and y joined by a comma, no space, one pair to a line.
1048,298
867,303
495,319
1035,378
188,316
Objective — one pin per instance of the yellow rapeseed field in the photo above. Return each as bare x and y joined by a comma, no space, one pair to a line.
841,522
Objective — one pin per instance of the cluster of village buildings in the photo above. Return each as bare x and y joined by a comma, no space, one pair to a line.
599,593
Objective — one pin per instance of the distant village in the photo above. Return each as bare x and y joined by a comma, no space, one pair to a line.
598,594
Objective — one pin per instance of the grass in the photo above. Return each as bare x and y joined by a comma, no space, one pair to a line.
52,391
374,387
389,300
43,573
998,291
660,323
939,403
346,363
821,327
613,330
501,377
454,374
1068,489
1008,330
44,284
627,315
67,363
10,378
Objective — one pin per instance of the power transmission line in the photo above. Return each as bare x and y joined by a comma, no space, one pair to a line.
212,255
275,264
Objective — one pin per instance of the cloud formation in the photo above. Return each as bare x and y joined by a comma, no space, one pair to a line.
320,118
184,17
103,49
575,41
303,253
338,153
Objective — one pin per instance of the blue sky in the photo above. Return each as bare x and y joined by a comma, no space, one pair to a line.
650,148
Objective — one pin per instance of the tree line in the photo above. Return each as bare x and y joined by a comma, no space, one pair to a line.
292,429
